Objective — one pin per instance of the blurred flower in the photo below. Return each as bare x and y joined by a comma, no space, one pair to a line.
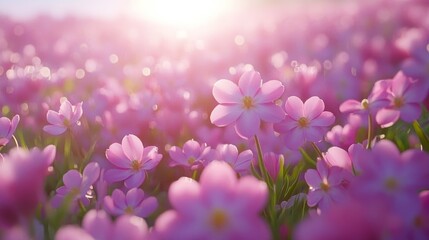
134,203
229,154
219,207
22,176
131,161
7,128
97,225
64,119
327,185
304,121
246,104
193,155
77,185
272,164
406,96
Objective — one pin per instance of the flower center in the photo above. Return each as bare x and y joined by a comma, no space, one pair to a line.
219,219
248,102
303,122
324,185
391,184
365,104
66,122
135,165
398,102
191,160
129,210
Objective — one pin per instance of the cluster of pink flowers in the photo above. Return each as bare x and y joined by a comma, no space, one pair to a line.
193,136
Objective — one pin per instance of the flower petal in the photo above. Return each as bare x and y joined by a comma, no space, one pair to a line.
184,195
135,180
116,175
248,124
65,108
98,224
387,117
325,119
226,91
90,175
410,112
270,112
72,179
116,156
54,118
294,107
134,197
250,83
130,227
286,125
223,115
312,178
54,129
132,147
253,194
147,207
270,91
350,105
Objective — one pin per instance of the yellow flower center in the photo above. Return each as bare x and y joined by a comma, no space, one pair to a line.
248,102
136,165
129,210
303,122
391,183
324,185
191,160
398,102
365,104
218,219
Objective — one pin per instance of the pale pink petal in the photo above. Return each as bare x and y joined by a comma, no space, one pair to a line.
132,147
270,91
54,130
147,207
116,175
135,180
134,197
177,155
116,156
184,194
410,112
98,224
192,148
90,175
252,194
325,119
270,112
387,117
336,156
14,124
314,197
217,179
313,107
54,118
294,107
118,198
295,138
350,106
223,115
151,157
72,179
243,161
248,124
71,232
250,83
110,206
129,227
77,113
66,108
312,178
399,84
314,134
226,91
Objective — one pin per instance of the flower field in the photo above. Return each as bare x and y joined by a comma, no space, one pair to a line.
279,120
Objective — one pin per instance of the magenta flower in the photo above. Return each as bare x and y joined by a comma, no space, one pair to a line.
229,153
219,207
247,104
272,164
193,154
304,121
327,185
405,95
134,202
78,185
97,225
67,117
7,128
131,161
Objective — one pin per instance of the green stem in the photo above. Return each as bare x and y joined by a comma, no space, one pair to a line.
261,164
424,140
307,158
368,144
316,148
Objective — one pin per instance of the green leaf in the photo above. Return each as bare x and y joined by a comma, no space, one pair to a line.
424,140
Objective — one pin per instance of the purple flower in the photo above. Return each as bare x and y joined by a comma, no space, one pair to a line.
246,104
134,202
272,164
78,185
405,95
67,117
229,153
131,161
219,207
339,157
304,121
327,185
7,128
97,225
193,154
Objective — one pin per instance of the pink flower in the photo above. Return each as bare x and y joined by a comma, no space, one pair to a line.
339,157
67,117
97,225
78,185
247,104
272,164
304,121
7,128
219,207
131,161
327,185
240,162
134,202
193,154
406,96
